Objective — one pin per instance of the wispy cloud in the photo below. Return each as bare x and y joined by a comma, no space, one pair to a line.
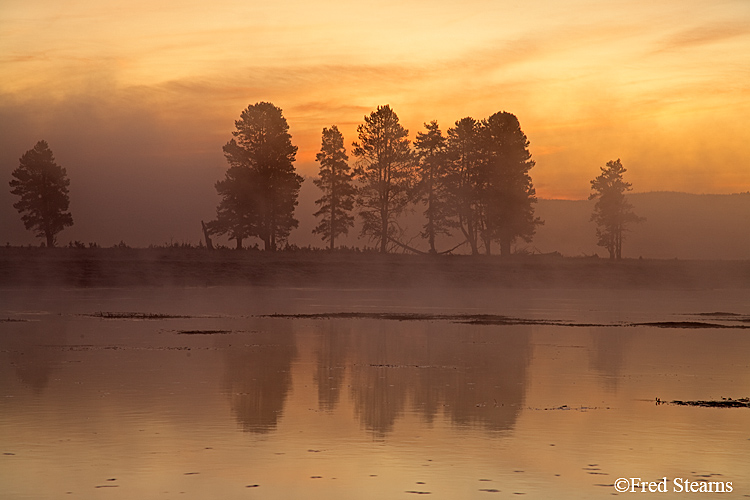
704,35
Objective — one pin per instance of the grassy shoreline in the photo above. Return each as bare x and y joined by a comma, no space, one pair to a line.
123,267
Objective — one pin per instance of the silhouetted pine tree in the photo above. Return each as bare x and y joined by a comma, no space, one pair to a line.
612,212
384,170
260,190
463,178
335,180
42,185
432,187
508,193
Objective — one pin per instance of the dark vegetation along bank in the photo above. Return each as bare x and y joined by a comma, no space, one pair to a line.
105,267
472,184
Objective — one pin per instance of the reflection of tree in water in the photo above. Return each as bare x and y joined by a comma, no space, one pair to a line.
475,375
331,366
378,383
258,378
479,375
607,355
35,350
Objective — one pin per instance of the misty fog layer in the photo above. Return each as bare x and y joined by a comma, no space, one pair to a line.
678,225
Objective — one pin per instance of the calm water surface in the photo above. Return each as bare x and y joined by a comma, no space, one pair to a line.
201,395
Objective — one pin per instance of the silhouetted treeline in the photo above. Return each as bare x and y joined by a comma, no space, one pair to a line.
474,180
472,183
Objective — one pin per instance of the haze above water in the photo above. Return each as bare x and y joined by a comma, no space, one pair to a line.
203,395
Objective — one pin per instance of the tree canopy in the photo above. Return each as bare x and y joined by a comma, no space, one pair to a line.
260,189
43,187
612,212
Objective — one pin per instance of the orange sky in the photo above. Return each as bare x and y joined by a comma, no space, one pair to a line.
133,92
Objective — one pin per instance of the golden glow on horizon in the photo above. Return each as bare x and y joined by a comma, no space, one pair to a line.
662,85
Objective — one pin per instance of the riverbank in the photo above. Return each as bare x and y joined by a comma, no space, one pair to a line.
123,267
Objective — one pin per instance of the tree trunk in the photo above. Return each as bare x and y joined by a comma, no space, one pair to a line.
470,232
474,246
207,236
239,243
431,234
50,239
467,235
431,216
333,212
487,240
383,231
505,247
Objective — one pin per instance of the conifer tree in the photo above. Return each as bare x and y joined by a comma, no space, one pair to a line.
42,185
335,180
384,171
463,178
612,212
260,189
507,191
432,186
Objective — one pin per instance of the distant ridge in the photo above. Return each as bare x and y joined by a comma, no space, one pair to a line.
678,225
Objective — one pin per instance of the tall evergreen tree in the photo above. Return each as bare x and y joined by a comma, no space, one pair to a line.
260,190
42,185
464,179
432,185
384,170
508,192
335,180
612,212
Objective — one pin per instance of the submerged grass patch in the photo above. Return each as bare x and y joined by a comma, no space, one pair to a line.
720,314
496,320
688,324
722,403
474,319
203,332
134,315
